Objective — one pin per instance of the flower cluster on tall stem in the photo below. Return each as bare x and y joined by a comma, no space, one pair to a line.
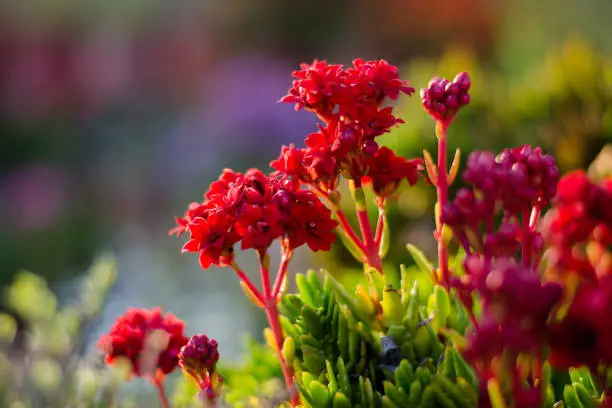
496,220
350,104
254,210
579,256
442,99
198,359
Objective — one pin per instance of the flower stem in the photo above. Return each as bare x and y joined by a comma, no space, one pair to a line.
442,191
282,273
380,225
271,308
247,281
369,242
161,391
350,232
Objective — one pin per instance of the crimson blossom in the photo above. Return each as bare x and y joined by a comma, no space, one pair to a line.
254,209
350,103
580,235
150,340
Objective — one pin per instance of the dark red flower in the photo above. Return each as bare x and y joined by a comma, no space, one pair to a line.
376,80
310,223
222,185
386,171
318,87
213,239
195,210
148,339
258,226
442,98
198,359
199,354
291,163
582,209
583,336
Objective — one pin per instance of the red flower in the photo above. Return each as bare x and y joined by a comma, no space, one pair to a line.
148,339
259,226
213,238
349,101
310,223
582,209
318,87
290,162
195,210
583,336
377,79
386,171
220,187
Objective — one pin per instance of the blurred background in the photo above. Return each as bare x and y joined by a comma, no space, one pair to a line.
114,115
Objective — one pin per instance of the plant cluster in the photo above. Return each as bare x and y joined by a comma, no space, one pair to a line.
514,314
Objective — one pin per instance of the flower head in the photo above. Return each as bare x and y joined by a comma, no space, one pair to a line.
198,359
442,98
386,171
350,103
199,354
150,340
255,209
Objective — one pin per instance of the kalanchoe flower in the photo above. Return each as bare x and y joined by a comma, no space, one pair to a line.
579,229
255,209
310,223
386,171
194,210
350,103
198,359
148,339
516,308
518,183
213,239
442,98
583,336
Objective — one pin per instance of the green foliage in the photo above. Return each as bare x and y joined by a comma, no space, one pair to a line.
42,344
354,350
257,381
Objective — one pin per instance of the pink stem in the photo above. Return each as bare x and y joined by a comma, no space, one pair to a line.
270,305
344,223
282,273
350,232
366,229
370,247
442,190
380,225
161,392
247,281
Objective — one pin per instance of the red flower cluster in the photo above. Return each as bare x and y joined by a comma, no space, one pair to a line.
519,181
349,102
150,340
516,307
516,303
198,359
581,219
443,98
580,234
583,336
254,209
